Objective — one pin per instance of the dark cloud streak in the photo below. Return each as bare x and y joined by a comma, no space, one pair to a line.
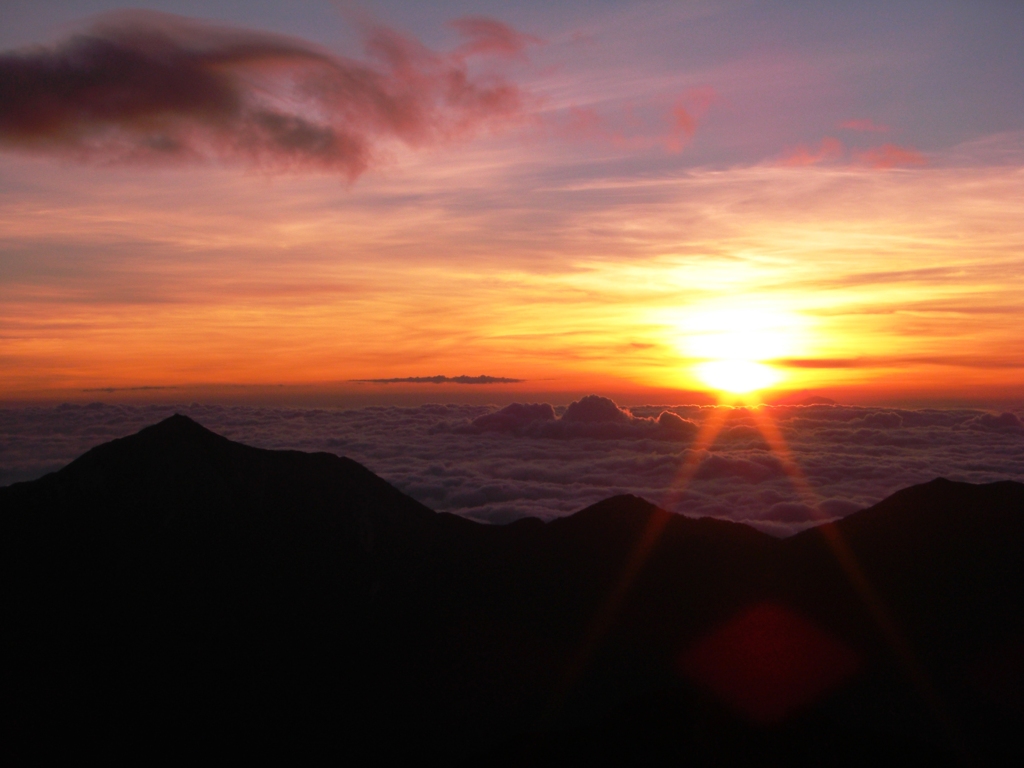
144,388
441,380
955,361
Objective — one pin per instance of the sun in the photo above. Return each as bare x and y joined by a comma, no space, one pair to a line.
730,345
737,377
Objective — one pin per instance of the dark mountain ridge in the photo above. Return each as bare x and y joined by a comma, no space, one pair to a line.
191,589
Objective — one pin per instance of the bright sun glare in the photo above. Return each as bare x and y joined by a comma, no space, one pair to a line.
737,376
732,342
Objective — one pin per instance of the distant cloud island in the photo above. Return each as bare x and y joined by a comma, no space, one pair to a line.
441,380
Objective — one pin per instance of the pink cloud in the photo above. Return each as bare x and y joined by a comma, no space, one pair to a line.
587,124
892,156
865,126
829,149
685,114
148,87
487,36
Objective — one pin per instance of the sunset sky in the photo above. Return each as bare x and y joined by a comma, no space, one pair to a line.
639,199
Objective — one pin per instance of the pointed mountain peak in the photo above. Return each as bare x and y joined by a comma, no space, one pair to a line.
176,435
177,419
178,425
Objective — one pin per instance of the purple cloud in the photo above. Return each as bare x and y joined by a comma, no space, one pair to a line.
515,417
1004,422
590,417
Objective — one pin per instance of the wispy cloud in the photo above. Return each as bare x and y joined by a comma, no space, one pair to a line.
863,126
516,269
669,128
892,156
686,112
829,149
147,87
487,36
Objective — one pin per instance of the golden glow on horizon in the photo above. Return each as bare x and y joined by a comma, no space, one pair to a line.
733,339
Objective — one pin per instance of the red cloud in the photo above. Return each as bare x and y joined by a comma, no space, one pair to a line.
144,86
866,126
829,149
892,156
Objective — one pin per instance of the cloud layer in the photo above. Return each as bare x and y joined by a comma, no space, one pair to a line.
592,416
147,87
498,465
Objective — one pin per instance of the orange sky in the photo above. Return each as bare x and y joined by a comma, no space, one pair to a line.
584,262
901,281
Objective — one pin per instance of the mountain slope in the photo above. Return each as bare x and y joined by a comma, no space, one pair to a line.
180,583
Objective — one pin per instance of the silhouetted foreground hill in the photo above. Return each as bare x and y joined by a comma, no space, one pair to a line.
174,591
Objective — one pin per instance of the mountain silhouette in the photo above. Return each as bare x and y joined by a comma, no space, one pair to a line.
174,590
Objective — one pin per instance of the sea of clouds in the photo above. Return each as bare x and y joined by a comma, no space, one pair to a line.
499,464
